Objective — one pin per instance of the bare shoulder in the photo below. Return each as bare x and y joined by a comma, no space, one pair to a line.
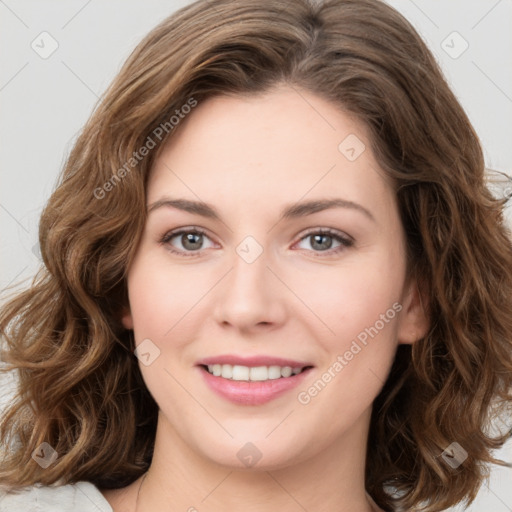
124,499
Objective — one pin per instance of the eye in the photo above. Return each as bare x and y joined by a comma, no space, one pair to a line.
321,240
190,241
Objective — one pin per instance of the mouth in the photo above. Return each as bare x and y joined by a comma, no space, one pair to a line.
252,385
253,373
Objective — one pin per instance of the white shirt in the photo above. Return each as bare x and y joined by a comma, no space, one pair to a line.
79,497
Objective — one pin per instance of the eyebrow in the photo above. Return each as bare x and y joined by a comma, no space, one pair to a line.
292,211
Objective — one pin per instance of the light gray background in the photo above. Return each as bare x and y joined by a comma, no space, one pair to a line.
45,102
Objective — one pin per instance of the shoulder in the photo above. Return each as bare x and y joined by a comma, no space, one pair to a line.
78,497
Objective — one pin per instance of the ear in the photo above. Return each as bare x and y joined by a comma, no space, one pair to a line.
126,318
414,321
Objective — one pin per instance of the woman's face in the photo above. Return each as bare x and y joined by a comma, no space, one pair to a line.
262,280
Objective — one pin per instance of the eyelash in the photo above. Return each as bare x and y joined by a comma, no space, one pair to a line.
345,241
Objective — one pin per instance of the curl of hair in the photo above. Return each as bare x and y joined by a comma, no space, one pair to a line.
80,388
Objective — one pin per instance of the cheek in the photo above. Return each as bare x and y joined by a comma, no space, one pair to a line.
161,294
353,297
361,309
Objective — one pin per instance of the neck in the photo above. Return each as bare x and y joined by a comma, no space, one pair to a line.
183,479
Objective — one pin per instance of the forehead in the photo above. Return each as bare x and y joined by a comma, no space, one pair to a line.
281,146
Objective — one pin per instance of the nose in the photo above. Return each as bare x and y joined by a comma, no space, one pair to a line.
251,296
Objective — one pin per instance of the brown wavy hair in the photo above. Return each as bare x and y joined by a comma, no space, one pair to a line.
80,388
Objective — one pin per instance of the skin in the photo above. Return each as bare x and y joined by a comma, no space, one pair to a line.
250,157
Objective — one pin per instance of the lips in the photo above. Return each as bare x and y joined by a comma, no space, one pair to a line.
252,380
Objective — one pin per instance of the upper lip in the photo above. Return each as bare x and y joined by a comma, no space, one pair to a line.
252,361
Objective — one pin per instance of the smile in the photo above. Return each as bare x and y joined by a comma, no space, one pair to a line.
255,373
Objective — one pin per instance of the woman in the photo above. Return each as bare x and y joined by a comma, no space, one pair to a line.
274,279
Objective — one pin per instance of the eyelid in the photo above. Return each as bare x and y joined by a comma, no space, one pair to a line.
327,231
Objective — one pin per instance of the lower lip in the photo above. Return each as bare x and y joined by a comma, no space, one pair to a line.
252,392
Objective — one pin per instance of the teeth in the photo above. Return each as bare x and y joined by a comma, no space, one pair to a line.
227,371
238,372
256,373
